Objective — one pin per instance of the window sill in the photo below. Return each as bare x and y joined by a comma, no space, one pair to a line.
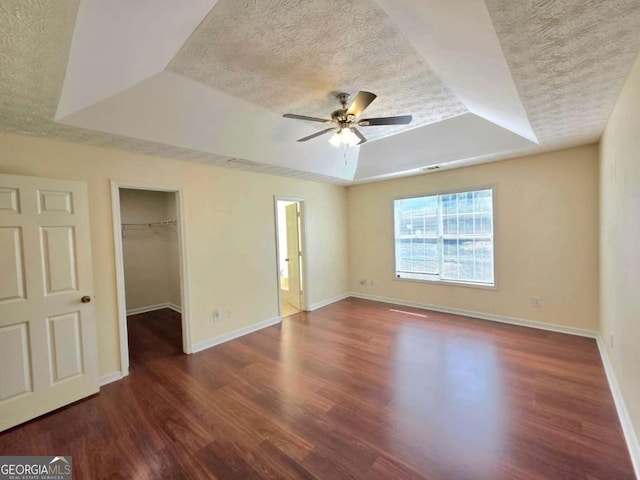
449,283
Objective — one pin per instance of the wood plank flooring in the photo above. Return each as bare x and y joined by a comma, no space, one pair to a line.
356,390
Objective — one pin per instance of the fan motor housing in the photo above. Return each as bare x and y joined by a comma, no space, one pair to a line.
341,116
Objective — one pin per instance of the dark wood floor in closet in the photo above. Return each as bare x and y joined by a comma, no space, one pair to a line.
357,389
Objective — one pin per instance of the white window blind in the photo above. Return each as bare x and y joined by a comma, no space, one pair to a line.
446,237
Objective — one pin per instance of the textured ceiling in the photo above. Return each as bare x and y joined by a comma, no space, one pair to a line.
34,45
294,56
35,36
568,60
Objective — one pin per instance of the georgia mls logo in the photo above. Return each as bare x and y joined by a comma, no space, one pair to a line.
63,465
35,468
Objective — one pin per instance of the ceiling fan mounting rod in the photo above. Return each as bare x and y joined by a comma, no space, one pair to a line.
343,98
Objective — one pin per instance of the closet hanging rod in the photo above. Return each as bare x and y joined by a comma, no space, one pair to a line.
170,224
151,224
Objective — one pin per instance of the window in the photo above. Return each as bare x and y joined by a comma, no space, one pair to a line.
446,237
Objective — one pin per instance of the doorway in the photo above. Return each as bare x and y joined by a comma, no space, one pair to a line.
150,272
290,256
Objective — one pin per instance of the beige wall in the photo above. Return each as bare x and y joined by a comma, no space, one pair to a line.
151,256
620,242
229,220
546,236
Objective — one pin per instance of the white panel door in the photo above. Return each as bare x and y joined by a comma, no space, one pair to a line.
48,352
293,255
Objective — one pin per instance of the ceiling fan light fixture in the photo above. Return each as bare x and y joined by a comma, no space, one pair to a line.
344,136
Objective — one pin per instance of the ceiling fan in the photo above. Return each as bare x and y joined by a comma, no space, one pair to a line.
345,120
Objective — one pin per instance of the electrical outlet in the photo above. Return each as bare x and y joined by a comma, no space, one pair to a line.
611,340
536,302
216,315
363,281
372,283
229,313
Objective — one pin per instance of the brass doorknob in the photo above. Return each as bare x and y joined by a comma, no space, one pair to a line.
85,299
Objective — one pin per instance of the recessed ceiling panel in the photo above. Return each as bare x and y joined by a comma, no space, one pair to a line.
176,110
291,56
458,138
459,41
119,43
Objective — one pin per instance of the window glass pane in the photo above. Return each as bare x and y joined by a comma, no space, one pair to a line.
483,248
450,260
465,259
417,255
483,224
482,201
432,260
484,272
465,202
449,204
450,225
450,269
431,224
465,223
466,269
451,248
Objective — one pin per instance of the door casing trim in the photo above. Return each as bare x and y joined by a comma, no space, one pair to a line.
116,185
303,245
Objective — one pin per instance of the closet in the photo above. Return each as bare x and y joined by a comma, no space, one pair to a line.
150,253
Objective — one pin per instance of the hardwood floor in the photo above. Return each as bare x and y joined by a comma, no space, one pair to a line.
357,389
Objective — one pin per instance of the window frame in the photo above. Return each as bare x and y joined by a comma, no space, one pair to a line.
438,281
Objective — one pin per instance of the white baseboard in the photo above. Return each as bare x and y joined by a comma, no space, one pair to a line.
109,378
623,413
483,316
328,301
152,308
174,307
212,342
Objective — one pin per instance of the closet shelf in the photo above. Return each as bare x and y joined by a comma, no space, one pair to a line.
171,224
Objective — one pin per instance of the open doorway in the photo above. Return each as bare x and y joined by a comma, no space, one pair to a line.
290,256
150,273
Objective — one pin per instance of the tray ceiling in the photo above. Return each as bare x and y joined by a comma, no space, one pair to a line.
208,81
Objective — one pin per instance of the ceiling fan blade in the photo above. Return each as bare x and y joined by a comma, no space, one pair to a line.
360,102
401,120
317,134
304,117
359,135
